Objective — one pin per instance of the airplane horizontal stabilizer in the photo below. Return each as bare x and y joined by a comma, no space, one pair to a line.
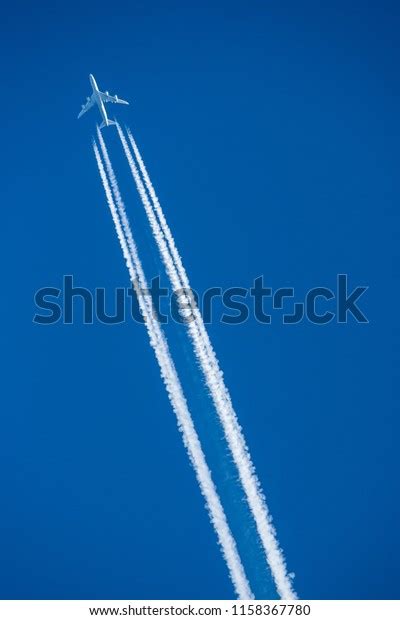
105,124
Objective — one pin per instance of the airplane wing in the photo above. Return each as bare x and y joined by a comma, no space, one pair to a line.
86,106
112,99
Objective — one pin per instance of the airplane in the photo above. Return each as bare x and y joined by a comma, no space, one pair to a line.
100,99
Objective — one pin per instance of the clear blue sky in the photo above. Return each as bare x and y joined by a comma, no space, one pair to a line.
271,133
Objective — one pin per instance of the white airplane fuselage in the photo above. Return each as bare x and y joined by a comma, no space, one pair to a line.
99,101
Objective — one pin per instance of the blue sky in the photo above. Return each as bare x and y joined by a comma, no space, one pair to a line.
271,133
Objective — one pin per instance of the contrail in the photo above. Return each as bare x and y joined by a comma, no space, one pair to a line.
213,375
171,380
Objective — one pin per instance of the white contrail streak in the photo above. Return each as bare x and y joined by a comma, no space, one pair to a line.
213,375
171,380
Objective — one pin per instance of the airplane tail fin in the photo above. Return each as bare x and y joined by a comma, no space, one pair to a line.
107,123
